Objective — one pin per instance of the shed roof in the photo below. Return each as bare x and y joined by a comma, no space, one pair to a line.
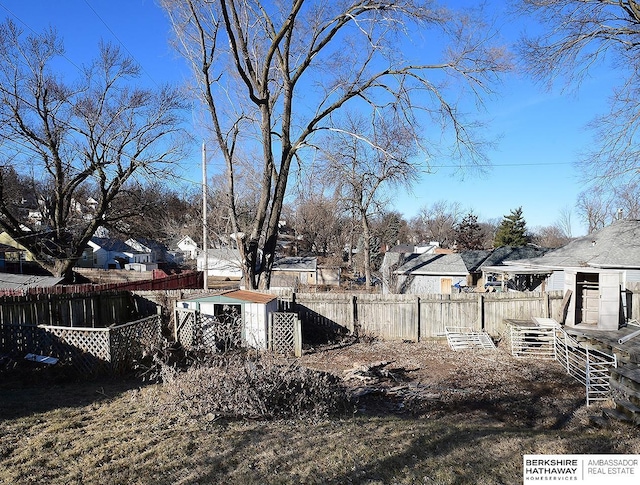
296,263
429,264
250,296
20,281
614,246
247,296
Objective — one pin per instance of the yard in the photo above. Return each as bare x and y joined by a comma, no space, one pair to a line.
425,414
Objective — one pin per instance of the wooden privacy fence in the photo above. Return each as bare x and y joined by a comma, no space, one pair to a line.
89,350
159,281
415,317
69,310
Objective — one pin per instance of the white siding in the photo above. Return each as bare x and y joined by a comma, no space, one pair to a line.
555,282
255,327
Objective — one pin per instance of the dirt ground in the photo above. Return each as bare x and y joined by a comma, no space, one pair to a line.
427,379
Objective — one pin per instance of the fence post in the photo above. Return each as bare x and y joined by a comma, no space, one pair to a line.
417,319
297,337
354,314
547,305
481,311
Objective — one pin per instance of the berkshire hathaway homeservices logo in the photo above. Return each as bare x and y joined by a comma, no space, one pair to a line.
583,469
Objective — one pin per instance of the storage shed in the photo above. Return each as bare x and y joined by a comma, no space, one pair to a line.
253,307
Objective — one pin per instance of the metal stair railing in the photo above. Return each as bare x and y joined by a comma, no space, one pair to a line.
533,341
589,366
548,340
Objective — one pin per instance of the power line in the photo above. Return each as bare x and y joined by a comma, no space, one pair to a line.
37,33
493,165
121,43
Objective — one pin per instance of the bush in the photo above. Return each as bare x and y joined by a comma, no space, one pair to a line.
242,386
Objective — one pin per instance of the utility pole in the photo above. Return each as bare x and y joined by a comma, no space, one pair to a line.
205,266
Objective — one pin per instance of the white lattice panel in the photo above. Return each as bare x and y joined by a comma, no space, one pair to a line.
186,327
285,334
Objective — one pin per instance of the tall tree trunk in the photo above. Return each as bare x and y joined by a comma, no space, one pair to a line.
366,248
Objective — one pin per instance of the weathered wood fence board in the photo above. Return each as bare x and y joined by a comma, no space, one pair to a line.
518,306
440,311
414,317
388,318
327,310
69,310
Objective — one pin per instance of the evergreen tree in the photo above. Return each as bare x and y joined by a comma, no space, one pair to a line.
469,234
512,230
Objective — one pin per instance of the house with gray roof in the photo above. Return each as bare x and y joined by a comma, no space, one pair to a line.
293,271
594,272
113,253
443,273
434,273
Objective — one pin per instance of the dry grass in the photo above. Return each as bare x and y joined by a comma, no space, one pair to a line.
477,422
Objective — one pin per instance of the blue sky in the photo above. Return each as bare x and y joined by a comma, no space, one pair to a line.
540,133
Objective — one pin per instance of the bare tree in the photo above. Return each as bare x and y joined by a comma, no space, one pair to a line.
604,204
363,167
580,34
440,221
318,223
550,236
94,137
274,75
563,223
595,208
627,200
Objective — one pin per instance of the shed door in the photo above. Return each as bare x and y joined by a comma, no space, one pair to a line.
588,298
445,286
609,301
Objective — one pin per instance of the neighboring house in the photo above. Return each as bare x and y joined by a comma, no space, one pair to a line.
111,253
329,275
293,271
433,273
188,247
594,272
396,256
222,263
11,259
445,273
158,251
9,241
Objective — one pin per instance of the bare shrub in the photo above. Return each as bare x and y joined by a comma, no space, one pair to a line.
221,333
236,385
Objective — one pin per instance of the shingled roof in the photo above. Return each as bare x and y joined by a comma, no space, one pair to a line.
464,261
615,246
